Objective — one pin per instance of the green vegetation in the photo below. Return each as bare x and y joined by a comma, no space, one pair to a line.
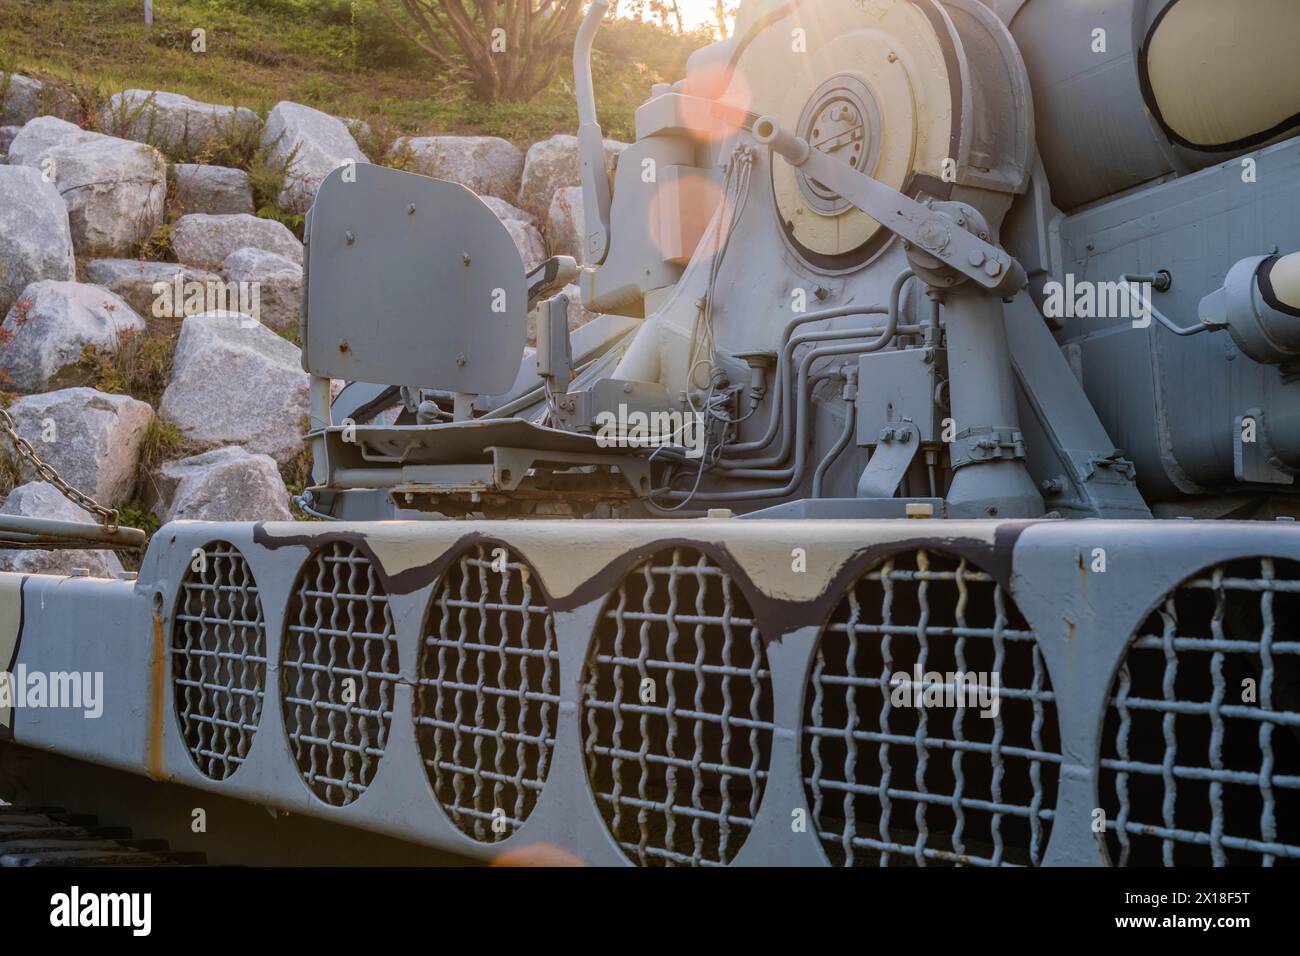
10,474
146,521
340,56
162,443
140,367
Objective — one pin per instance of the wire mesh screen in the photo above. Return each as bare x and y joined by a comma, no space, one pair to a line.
677,713
1200,755
487,700
930,732
218,659
338,672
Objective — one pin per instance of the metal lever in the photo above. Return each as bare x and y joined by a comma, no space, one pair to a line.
931,231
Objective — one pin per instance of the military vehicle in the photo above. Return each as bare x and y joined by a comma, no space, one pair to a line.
923,492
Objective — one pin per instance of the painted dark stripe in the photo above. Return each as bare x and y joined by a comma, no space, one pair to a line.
759,25
1265,279
774,616
22,620
944,30
7,733
1149,97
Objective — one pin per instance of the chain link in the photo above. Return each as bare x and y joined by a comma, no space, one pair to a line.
107,516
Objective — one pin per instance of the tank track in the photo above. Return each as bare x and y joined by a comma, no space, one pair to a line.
50,836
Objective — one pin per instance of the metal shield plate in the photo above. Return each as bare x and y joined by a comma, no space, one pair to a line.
411,281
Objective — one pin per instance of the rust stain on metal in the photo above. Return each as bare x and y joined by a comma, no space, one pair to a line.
156,700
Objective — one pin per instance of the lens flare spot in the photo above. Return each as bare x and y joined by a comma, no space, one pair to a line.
683,202
716,101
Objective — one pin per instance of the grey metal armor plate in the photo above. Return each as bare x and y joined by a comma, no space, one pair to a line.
412,281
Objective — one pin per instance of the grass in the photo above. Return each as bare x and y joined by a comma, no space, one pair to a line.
140,368
11,474
163,443
339,56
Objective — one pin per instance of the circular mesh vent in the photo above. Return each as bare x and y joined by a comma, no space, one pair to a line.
338,672
487,701
677,712
218,659
894,770
1200,759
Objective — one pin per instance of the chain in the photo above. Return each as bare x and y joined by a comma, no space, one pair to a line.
107,515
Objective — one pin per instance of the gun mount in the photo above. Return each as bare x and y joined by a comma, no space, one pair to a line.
798,259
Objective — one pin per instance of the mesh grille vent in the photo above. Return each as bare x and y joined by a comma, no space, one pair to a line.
218,659
889,782
338,672
1200,755
677,713
488,700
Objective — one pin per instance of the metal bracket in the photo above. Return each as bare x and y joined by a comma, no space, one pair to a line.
555,273
1113,467
894,453
987,443
511,466
1254,462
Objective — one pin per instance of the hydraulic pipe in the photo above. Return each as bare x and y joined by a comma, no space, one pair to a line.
841,443
781,400
795,473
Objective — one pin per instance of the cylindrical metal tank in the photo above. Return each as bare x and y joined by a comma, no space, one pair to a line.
1127,91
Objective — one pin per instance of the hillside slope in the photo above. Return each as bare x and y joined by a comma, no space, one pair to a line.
339,56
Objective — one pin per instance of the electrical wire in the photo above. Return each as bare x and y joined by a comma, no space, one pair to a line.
735,198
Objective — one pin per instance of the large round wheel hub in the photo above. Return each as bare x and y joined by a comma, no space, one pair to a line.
843,121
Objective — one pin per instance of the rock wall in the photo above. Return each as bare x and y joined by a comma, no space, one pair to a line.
80,212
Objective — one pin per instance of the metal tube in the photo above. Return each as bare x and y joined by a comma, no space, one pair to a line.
318,410
781,399
796,471
850,420
584,87
982,391
25,528
768,132
805,400
591,142
1135,282
780,376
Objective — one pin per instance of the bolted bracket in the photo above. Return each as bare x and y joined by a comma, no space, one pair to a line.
897,448
990,443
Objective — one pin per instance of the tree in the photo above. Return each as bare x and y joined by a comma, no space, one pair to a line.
508,49
665,7
720,15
